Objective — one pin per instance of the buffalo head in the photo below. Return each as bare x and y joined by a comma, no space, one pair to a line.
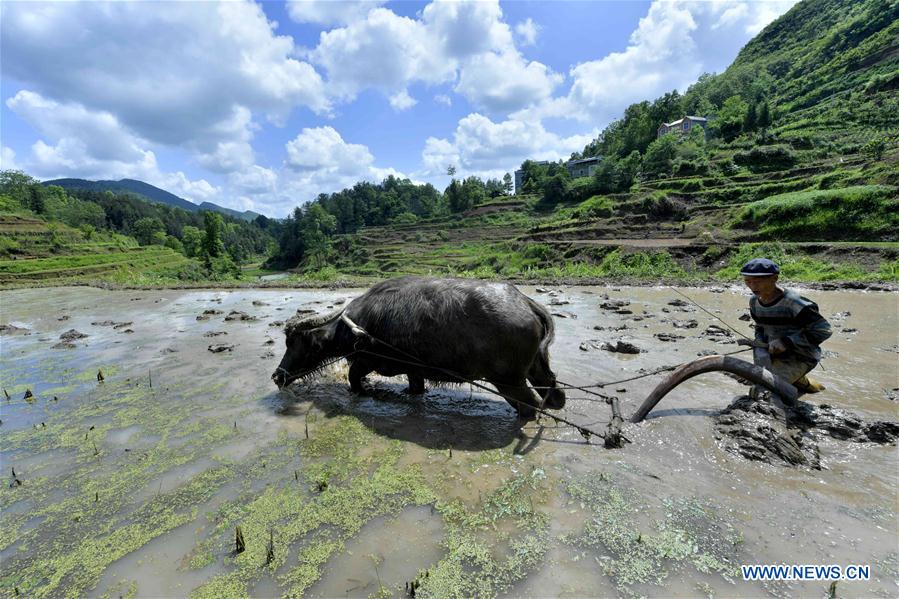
310,341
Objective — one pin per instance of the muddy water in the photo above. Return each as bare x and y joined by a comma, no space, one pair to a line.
136,484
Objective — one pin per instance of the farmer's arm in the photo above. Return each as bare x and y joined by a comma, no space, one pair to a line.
814,329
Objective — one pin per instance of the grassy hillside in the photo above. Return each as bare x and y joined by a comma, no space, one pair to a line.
48,237
814,183
36,252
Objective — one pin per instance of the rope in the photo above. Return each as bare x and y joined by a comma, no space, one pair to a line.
679,292
357,330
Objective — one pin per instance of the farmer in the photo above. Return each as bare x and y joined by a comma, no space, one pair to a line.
788,327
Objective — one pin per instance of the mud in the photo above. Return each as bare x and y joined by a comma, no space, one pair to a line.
758,430
135,486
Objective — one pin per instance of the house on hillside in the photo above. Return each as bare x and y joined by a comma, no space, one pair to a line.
583,167
683,126
519,176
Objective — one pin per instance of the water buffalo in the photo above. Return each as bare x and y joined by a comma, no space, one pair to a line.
456,329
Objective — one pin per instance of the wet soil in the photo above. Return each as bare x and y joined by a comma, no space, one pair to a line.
135,485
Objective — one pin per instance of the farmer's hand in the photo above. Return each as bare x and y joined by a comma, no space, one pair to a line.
777,347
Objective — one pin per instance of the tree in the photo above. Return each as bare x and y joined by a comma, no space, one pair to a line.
453,195
18,186
494,188
451,170
144,229
192,238
750,120
508,187
729,121
660,155
473,192
556,189
212,245
764,117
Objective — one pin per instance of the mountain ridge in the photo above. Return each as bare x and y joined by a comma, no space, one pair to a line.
150,193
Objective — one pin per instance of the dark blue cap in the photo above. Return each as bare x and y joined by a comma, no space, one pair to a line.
760,267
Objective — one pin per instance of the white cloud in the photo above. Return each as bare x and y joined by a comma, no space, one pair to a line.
330,12
453,41
505,82
101,134
254,180
322,149
443,99
465,29
384,51
438,155
8,159
401,101
192,75
483,147
672,45
527,31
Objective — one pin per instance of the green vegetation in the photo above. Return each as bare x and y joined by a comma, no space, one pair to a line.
863,212
50,236
800,144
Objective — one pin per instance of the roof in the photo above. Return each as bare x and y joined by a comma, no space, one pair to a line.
679,121
583,160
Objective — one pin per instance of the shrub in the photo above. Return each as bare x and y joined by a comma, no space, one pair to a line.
664,208
8,246
404,218
595,207
766,158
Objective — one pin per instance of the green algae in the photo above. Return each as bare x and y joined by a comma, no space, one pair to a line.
632,554
88,518
470,567
362,485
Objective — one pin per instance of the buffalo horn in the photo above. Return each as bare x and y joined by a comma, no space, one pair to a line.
741,368
311,322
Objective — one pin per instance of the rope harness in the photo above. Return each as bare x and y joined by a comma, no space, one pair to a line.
612,436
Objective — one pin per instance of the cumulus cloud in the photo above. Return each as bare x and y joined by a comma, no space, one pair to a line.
482,147
322,149
443,99
8,159
505,82
102,135
254,180
191,75
672,45
527,31
330,12
463,42
401,101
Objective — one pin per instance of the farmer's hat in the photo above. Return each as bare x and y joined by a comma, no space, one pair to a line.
760,267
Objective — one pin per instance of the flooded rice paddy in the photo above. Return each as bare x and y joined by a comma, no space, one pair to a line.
136,485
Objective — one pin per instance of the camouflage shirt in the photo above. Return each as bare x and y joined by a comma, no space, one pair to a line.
794,319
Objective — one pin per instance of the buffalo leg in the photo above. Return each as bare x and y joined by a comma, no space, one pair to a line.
521,398
541,376
359,369
416,384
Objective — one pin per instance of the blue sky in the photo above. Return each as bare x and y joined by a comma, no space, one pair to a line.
263,106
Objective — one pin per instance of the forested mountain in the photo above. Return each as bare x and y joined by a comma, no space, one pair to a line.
149,192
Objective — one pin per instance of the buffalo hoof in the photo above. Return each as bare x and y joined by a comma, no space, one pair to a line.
555,399
527,414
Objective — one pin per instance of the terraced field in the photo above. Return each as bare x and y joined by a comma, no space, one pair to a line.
41,253
694,220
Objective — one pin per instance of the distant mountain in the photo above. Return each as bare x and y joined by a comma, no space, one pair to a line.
150,193
245,215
